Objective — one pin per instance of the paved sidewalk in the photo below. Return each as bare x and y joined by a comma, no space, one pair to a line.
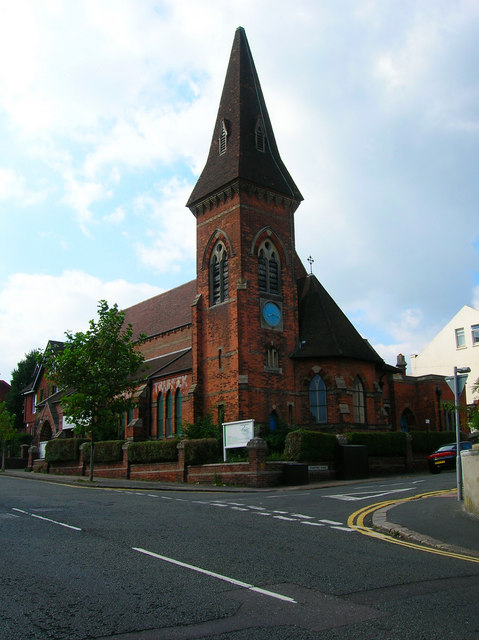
436,521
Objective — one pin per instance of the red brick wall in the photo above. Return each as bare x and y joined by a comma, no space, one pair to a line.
241,384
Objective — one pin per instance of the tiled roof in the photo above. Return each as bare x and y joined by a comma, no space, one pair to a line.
163,312
242,103
324,329
170,363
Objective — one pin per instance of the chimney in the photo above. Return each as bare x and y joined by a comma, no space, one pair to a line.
401,364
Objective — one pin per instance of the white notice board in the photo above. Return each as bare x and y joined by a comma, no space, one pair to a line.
237,434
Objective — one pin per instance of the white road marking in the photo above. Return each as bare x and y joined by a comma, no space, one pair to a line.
285,518
300,515
348,529
61,524
212,574
313,524
363,495
329,521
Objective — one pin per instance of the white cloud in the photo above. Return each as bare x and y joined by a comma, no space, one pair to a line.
101,100
175,244
35,308
13,186
115,217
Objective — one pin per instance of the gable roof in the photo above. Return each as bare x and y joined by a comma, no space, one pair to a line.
241,108
324,329
163,312
170,363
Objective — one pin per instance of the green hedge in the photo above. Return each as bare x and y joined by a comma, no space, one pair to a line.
63,449
203,451
427,441
106,451
380,443
310,446
153,451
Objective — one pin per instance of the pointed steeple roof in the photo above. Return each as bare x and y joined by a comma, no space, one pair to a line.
247,151
324,329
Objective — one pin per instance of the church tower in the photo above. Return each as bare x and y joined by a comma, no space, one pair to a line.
245,315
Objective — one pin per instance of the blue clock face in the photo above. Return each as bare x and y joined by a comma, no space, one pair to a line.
272,314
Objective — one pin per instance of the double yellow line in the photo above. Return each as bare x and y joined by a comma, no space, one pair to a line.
356,521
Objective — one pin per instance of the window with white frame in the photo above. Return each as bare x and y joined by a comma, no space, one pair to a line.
460,338
475,334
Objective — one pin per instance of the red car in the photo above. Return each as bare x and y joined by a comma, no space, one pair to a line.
445,457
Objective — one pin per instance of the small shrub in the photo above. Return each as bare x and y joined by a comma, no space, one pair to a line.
427,441
153,451
63,449
380,443
106,451
204,428
203,451
310,446
276,438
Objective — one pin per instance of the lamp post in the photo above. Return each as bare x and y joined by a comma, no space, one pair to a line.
460,370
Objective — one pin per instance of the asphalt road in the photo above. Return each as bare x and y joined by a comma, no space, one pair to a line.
84,563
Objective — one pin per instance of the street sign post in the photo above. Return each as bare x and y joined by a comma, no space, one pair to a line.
457,384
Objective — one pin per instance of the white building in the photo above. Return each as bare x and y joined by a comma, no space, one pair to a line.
457,345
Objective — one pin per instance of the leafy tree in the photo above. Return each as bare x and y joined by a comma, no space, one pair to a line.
7,429
21,377
98,371
474,410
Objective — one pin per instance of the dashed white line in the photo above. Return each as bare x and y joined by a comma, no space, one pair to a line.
212,574
61,524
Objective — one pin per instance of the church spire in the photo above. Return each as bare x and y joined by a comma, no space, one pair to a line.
243,147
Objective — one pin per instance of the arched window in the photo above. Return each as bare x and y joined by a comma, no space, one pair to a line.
159,416
218,274
169,415
268,268
222,139
178,418
273,421
317,400
358,401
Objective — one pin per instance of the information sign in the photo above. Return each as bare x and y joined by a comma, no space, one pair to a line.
237,434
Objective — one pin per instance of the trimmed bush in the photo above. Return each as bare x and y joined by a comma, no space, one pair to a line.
310,446
153,451
204,451
106,451
380,443
428,441
63,449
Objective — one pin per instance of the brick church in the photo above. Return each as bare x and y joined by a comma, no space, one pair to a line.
255,335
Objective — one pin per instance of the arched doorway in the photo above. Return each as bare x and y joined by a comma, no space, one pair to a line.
44,435
407,420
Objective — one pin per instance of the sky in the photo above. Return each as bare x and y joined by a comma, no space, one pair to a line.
107,109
